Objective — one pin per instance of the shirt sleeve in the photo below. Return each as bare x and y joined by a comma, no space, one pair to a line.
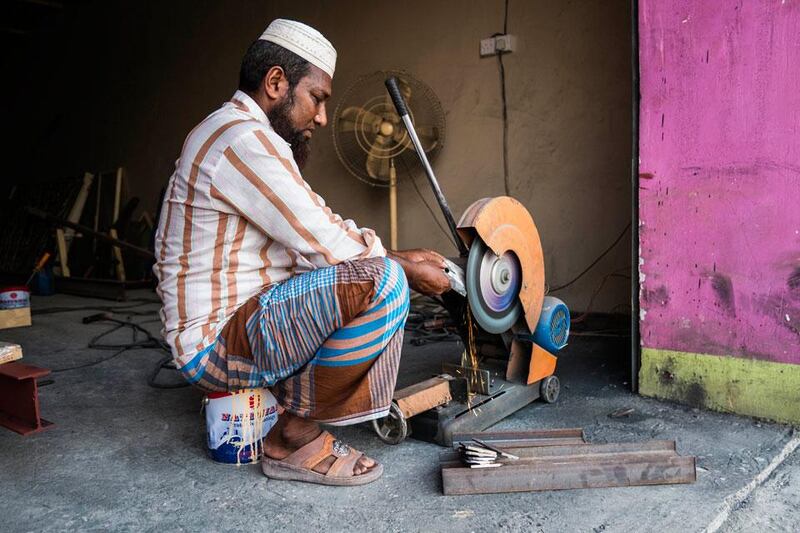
258,178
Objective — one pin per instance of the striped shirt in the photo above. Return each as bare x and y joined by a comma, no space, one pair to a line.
237,217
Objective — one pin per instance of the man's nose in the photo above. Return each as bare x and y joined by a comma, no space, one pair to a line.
321,118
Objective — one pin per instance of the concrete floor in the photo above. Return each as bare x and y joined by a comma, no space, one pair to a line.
124,456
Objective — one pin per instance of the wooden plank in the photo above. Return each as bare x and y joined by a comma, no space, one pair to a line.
143,252
119,264
14,318
657,468
62,252
422,396
77,208
9,352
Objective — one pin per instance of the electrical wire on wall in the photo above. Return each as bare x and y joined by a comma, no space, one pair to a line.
506,186
413,180
593,263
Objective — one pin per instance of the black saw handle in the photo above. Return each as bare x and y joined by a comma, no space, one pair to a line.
397,97
402,110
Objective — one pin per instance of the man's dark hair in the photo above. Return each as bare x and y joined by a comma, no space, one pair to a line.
262,56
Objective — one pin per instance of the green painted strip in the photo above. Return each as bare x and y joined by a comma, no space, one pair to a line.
723,383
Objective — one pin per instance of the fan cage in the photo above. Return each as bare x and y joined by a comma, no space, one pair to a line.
369,92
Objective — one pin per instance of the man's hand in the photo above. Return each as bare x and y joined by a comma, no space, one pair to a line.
424,270
427,277
421,254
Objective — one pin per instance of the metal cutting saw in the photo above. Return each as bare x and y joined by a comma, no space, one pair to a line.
510,329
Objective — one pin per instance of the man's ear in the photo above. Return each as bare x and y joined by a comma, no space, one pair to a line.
276,84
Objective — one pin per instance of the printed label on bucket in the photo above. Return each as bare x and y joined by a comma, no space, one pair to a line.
237,423
14,297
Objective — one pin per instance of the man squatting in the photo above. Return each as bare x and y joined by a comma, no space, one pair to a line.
264,286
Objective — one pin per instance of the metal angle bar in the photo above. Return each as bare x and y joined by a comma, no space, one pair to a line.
536,450
664,469
520,438
614,458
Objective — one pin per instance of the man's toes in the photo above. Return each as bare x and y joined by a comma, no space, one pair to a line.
363,466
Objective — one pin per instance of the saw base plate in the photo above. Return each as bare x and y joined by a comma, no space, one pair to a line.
504,398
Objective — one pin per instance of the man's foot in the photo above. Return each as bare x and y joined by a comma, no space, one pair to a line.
292,433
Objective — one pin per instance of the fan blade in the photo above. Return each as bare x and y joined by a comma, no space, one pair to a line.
346,126
368,120
376,159
428,136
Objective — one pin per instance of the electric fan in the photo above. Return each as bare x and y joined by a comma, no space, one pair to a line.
369,136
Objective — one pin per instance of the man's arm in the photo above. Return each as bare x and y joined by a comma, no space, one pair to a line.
263,185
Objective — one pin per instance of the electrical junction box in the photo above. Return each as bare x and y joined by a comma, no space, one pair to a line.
499,44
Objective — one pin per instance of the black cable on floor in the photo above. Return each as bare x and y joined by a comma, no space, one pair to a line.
92,363
165,363
148,342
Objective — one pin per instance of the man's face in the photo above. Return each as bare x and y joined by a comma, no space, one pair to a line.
301,111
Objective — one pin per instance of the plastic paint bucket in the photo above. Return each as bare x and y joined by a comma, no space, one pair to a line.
236,424
14,297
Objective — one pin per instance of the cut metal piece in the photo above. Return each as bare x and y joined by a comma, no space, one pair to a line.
480,379
19,398
497,450
456,276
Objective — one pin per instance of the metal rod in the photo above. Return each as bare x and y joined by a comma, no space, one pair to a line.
60,222
402,110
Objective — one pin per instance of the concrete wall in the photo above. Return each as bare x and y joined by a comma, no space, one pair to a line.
137,76
720,204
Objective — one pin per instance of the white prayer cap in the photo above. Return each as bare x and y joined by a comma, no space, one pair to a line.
304,41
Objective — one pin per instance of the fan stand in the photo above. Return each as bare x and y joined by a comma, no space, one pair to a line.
392,205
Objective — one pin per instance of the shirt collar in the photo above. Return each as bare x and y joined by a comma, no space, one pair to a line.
244,103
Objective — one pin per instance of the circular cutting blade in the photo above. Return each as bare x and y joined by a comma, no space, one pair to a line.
493,284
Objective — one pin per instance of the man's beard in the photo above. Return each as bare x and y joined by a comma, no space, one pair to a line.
280,119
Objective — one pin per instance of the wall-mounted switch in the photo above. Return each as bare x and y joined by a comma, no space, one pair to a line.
500,44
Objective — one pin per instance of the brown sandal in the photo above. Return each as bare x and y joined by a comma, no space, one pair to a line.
299,465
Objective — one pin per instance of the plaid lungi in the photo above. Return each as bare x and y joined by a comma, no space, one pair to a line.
327,342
